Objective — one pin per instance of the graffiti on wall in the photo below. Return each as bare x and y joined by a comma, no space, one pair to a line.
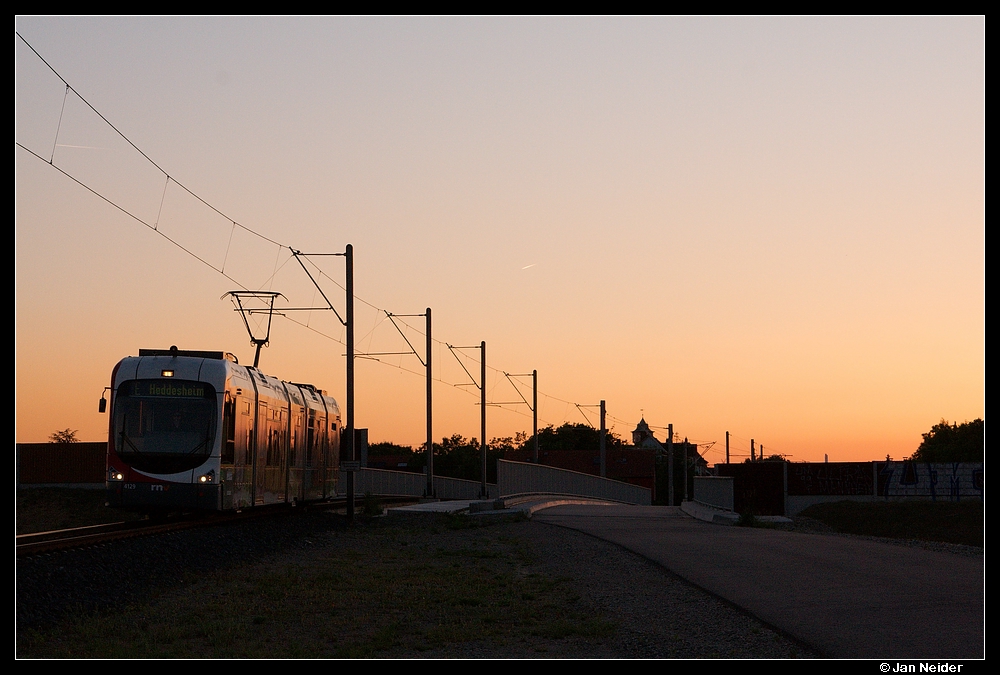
830,478
948,481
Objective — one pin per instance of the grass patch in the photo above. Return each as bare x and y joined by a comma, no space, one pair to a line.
358,594
371,506
45,509
949,522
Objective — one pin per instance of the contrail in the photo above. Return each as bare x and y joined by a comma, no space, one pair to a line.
527,266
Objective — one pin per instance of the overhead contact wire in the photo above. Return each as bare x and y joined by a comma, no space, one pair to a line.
235,223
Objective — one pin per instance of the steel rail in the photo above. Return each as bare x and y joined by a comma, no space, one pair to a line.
57,540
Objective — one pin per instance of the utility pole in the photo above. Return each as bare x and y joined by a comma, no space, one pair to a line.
430,426
533,406
685,468
482,486
347,431
670,463
604,435
534,410
482,402
426,363
727,447
349,254
753,457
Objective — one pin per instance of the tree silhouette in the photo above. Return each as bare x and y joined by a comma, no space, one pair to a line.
64,436
945,442
389,449
579,437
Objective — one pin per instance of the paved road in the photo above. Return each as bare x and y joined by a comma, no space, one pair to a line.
846,597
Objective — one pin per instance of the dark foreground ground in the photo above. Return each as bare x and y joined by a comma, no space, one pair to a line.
408,586
396,587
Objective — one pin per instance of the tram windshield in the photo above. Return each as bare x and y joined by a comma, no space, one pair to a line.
165,426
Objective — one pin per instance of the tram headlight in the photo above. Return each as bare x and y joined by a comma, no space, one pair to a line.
208,477
115,474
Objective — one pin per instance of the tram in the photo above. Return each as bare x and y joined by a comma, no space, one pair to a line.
196,431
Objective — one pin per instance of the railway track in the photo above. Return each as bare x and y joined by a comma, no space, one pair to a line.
58,540
37,543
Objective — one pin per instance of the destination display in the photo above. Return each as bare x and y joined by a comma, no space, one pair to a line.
170,388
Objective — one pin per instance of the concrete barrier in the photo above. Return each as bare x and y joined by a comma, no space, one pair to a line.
714,491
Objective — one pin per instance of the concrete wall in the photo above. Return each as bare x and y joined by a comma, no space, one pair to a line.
820,482
714,491
65,464
950,481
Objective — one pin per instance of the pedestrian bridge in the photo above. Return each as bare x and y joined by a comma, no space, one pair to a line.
514,479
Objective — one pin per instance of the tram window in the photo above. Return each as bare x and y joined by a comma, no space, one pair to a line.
165,428
310,436
229,425
273,449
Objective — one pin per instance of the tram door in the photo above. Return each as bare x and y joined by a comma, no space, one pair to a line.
241,480
272,451
261,437
331,456
309,477
228,458
293,474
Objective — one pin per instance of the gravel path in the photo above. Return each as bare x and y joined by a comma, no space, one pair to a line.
659,615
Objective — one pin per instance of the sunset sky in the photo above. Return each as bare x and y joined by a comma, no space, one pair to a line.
767,226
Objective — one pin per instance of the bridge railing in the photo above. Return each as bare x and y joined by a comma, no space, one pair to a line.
515,478
387,483
457,488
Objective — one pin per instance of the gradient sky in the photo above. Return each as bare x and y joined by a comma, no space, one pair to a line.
767,226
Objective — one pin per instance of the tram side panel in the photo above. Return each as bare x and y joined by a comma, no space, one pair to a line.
268,449
272,443
331,455
296,440
310,463
238,474
312,487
